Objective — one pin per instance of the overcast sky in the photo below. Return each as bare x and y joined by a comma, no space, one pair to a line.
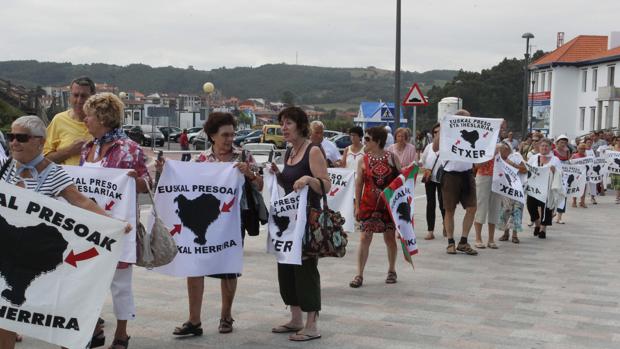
439,34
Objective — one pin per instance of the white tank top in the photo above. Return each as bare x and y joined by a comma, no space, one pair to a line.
354,158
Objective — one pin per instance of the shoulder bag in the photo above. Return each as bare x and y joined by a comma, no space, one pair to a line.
253,211
324,235
156,248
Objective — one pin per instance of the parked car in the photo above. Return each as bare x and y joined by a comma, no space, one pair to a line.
174,136
261,152
243,132
200,141
168,131
126,128
252,138
329,134
193,132
342,141
240,139
145,134
273,134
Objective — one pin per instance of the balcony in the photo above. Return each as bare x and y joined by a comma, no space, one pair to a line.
608,93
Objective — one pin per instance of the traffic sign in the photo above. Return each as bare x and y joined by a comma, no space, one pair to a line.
415,97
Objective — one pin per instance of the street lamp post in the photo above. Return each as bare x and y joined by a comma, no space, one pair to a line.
526,71
531,109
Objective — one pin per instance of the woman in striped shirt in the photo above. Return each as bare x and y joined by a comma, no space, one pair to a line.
30,170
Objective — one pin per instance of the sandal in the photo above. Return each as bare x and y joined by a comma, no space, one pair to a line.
98,340
120,342
479,245
492,245
187,329
357,281
286,329
302,337
504,237
226,325
391,277
515,240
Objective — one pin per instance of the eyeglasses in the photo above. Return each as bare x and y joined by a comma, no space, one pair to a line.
20,137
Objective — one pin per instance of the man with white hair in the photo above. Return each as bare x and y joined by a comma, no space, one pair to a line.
390,138
329,148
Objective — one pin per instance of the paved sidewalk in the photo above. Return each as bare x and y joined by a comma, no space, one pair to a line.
562,292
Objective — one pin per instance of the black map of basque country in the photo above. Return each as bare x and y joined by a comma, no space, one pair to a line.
282,222
25,254
471,137
198,214
597,169
570,180
404,211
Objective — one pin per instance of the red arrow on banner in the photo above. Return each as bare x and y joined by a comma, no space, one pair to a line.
227,206
74,258
458,141
176,230
109,205
333,192
485,135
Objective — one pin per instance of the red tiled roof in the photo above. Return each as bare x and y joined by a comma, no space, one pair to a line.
609,53
579,49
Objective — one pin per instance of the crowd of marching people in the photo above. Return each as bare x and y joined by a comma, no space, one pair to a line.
90,135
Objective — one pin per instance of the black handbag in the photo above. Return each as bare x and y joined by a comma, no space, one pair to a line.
254,212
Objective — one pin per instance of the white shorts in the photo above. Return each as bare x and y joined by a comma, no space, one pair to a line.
489,204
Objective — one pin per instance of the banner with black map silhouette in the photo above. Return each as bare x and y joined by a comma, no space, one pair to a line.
56,266
538,179
574,180
200,201
114,191
399,196
287,224
468,139
596,168
506,181
613,161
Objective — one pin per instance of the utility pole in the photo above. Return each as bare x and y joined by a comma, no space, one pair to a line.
397,70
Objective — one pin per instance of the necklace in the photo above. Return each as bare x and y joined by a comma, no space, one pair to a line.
294,151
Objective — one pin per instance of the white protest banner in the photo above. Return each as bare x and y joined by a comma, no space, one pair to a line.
538,182
114,191
613,161
468,139
341,195
200,202
287,224
56,266
506,181
2,153
598,171
574,178
588,162
399,196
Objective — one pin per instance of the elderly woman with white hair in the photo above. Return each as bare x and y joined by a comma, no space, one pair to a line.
30,170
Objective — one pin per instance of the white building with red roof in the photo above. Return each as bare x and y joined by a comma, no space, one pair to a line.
572,89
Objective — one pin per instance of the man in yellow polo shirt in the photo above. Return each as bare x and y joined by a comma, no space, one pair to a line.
67,133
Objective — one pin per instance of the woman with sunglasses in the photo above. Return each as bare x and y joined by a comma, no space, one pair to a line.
30,170
377,170
430,164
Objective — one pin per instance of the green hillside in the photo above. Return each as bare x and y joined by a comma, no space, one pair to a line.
308,84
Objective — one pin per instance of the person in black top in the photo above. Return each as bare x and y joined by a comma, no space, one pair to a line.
304,164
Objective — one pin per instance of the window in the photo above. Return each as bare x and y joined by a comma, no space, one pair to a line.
549,85
592,117
594,78
584,80
611,71
543,79
582,118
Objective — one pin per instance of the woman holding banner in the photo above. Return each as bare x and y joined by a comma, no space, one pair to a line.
29,169
581,153
511,213
615,178
378,169
429,161
111,148
304,165
563,153
544,158
220,130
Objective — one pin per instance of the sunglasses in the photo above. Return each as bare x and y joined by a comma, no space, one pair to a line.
20,137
